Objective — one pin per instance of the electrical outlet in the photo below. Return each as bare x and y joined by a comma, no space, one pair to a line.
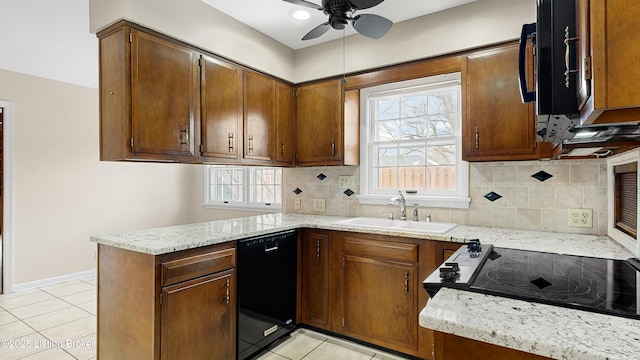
318,205
297,204
581,218
346,181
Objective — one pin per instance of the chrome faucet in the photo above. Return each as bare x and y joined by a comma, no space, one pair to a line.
402,202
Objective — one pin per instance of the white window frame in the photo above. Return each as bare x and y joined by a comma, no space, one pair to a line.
247,189
459,198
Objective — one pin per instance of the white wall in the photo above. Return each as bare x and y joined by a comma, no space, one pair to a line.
199,24
62,193
479,23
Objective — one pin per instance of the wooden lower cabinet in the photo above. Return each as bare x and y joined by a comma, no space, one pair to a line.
369,288
380,302
173,306
315,279
198,316
451,347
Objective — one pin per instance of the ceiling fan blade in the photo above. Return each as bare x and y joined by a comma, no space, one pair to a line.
305,3
317,31
364,4
372,26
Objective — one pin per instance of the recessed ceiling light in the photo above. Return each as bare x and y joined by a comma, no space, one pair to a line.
299,14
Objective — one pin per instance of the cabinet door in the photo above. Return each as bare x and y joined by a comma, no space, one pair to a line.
199,318
607,81
221,109
258,116
319,123
283,152
315,279
164,96
496,124
380,302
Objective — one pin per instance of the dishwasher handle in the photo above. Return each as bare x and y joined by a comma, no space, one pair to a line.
272,248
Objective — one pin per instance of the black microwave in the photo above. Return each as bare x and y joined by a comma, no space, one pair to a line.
553,36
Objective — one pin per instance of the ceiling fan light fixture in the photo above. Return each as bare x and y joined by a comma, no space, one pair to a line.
299,14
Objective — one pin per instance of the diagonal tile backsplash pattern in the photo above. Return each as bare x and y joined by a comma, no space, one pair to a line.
534,195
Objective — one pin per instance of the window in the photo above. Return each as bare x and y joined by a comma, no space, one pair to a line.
243,187
411,141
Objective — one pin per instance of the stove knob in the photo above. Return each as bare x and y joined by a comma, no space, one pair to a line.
453,265
474,245
449,273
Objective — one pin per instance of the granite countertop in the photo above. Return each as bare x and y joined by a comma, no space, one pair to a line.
541,329
551,331
164,240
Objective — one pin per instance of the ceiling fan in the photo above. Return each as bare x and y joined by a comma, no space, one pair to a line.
341,12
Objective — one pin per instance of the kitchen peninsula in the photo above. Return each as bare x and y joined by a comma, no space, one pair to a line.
145,263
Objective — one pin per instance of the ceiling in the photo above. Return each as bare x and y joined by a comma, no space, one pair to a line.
271,17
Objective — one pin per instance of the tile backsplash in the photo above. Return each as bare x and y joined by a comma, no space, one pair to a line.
530,195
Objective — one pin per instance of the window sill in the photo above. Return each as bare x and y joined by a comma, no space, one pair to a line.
428,201
241,207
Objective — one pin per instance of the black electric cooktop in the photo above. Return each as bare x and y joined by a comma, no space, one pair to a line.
584,283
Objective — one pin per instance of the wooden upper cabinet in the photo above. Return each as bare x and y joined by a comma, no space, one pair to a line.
496,124
259,115
283,139
221,122
164,96
149,97
607,61
320,125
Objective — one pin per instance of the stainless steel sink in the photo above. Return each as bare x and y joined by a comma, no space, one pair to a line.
387,224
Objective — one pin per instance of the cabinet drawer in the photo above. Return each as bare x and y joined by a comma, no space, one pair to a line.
387,250
195,266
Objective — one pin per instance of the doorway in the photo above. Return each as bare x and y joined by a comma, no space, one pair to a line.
6,197
1,200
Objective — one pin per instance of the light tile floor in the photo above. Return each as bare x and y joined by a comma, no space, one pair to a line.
58,322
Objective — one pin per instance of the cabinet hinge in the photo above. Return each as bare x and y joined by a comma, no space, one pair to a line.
201,148
160,298
201,61
295,92
130,37
587,68
342,322
131,143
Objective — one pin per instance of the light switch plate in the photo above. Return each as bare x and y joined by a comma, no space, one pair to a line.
581,218
318,205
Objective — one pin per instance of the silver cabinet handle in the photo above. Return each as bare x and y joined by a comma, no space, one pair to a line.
186,136
318,249
230,142
477,138
406,282
333,147
227,298
567,56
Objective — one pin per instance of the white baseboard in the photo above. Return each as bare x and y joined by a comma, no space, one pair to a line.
54,280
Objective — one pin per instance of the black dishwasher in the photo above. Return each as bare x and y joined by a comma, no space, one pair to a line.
266,269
